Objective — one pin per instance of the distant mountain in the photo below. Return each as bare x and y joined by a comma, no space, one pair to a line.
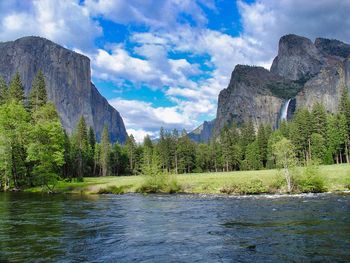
68,81
202,133
302,73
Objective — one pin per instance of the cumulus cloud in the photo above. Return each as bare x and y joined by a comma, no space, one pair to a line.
143,114
154,13
65,22
174,27
140,134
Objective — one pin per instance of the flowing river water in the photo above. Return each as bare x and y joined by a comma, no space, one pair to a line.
174,228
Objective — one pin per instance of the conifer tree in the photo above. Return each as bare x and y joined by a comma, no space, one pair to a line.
130,146
318,119
3,91
16,90
147,151
262,144
38,96
81,148
333,137
105,151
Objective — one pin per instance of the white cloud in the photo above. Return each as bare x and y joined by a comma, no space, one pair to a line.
140,114
64,22
154,13
169,31
140,134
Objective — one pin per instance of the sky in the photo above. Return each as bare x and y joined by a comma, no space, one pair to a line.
162,63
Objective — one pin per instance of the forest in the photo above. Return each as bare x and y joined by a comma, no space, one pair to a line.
36,151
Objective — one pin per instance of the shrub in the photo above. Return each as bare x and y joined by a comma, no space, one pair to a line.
118,190
251,188
347,183
278,184
310,181
160,183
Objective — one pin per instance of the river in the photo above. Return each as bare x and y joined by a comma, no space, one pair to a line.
174,228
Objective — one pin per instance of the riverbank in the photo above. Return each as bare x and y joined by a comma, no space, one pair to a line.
336,178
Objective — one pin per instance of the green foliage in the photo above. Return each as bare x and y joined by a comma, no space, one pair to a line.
117,190
252,158
310,181
250,188
131,146
38,96
3,91
16,89
46,147
14,134
284,89
105,151
285,159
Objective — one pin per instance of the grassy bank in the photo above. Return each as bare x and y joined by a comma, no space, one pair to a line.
336,178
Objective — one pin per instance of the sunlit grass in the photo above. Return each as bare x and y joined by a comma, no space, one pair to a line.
336,179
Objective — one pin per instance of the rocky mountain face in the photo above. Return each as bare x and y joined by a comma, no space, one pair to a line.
302,73
203,132
68,82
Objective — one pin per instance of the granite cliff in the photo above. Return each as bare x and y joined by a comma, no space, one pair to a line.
68,81
302,73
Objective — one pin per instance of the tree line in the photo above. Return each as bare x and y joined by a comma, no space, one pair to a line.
36,151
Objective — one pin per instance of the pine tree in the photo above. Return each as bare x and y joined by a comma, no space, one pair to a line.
81,148
333,137
105,151
318,148
262,143
147,151
46,148
318,119
38,96
252,159
300,133
226,146
130,146
3,91
16,90
344,136
14,135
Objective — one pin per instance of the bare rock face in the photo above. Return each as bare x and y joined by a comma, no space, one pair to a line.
203,133
333,47
68,81
302,73
248,97
297,58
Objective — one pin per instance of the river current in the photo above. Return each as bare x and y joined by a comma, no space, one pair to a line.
174,228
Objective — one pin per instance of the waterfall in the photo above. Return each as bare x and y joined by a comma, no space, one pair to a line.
284,111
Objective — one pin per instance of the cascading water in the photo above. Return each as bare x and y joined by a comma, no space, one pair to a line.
284,111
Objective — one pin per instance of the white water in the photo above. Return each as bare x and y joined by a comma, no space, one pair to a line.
284,111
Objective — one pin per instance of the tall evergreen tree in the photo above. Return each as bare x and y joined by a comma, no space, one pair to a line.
300,133
14,135
319,119
38,95
262,144
81,148
46,148
105,151
16,90
3,91
131,146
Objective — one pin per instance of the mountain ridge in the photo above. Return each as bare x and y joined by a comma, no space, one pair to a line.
303,71
68,81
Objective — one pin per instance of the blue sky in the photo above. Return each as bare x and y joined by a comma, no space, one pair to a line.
164,62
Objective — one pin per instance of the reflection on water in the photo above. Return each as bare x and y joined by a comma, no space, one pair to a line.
174,228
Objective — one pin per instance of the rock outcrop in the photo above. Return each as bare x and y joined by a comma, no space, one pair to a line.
203,133
303,71
68,81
